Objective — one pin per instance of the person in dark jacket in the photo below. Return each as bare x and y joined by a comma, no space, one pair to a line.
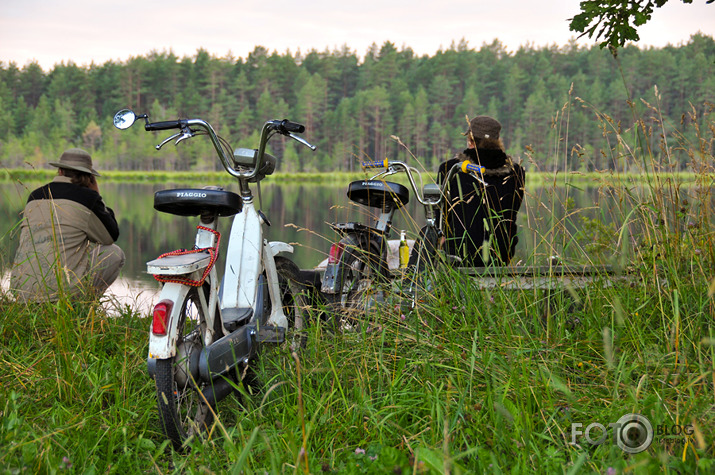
67,236
480,216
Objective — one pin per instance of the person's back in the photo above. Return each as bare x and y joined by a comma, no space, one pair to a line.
480,221
67,235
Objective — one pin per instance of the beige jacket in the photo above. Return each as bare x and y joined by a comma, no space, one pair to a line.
61,223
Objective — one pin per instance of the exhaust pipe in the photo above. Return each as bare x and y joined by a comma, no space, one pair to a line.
225,353
217,390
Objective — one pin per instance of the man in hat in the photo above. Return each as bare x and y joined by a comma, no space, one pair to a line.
67,236
480,215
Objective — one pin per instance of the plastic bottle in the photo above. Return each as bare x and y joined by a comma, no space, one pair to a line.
404,250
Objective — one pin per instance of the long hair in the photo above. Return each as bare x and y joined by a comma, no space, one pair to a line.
78,178
490,144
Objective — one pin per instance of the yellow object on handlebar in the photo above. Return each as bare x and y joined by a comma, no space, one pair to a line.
376,164
468,166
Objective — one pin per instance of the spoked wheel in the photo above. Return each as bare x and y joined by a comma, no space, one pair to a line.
294,299
360,276
418,282
183,411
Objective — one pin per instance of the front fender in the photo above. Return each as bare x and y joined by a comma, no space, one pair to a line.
277,247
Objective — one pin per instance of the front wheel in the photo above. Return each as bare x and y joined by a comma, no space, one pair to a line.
183,411
418,281
293,294
361,270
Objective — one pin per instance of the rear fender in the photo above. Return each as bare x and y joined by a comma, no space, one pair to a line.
332,278
164,346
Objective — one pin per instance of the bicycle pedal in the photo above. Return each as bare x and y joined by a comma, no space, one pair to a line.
271,335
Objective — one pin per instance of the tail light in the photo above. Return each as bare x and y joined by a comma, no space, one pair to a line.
160,320
336,250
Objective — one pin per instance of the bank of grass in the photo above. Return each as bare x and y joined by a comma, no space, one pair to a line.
535,178
484,381
181,176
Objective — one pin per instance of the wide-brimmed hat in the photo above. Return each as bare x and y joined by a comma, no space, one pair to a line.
484,127
76,159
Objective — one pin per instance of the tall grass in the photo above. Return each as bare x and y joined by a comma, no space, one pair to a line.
476,380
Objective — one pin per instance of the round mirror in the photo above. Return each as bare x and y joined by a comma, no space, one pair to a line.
124,119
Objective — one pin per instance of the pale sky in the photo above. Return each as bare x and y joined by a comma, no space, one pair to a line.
86,31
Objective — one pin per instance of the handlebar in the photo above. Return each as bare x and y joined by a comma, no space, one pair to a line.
285,126
170,124
125,118
396,166
378,164
468,166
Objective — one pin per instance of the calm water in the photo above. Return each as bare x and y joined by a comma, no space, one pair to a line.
300,214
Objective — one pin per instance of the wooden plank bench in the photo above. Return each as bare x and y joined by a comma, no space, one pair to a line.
518,277
543,277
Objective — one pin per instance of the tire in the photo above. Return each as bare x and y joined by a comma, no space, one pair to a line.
294,296
360,268
183,412
419,280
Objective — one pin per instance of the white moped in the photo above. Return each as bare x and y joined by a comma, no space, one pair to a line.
205,331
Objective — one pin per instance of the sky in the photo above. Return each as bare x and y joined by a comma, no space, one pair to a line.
96,31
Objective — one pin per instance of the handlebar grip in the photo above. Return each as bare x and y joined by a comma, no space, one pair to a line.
285,126
293,126
468,166
376,164
170,124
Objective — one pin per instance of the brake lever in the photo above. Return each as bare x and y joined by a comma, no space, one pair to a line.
186,133
301,140
480,180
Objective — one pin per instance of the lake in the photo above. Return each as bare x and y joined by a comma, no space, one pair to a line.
300,213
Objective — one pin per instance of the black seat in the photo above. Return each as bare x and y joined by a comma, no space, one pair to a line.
379,194
193,202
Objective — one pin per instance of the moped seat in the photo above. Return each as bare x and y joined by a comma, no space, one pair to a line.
194,201
379,194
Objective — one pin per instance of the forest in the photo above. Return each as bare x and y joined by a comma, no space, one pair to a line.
562,107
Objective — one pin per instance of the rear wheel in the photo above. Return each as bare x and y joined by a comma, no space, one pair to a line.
183,411
359,274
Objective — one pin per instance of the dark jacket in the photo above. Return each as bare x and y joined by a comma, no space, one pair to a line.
480,224
60,224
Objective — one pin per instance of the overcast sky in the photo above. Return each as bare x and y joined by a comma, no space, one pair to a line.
85,31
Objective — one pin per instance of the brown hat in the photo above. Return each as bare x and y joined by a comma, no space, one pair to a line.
76,159
484,127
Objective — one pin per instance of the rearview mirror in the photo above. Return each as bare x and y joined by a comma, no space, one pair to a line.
124,119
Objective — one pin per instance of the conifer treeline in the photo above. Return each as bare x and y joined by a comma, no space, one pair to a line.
545,97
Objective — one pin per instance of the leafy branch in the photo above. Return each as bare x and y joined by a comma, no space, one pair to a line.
615,20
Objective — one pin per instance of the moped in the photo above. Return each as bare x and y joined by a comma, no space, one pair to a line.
206,330
357,263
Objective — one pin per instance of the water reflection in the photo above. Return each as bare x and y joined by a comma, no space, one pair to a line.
552,221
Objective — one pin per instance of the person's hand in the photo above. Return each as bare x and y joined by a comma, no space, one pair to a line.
93,184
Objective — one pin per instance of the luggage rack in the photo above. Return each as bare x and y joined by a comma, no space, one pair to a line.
179,264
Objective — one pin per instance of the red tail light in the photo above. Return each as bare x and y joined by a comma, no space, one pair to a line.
160,320
336,250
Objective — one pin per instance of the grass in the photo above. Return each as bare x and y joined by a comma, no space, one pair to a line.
473,381
22,174
535,178
482,382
